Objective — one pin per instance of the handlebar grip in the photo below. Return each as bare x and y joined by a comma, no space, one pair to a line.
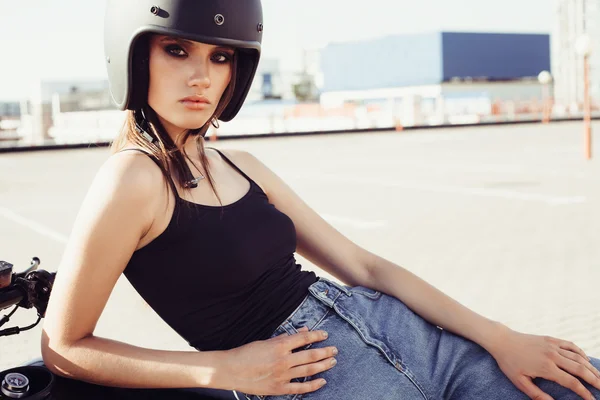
5,274
10,297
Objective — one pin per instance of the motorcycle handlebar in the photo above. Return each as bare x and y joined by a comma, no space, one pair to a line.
10,296
27,289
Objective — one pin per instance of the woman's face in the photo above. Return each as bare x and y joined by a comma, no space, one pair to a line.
187,80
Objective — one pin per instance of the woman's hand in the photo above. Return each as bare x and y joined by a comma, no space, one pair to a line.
265,367
523,357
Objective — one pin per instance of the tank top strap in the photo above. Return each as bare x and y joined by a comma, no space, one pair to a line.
233,165
157,162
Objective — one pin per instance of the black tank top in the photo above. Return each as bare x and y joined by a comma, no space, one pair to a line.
222,279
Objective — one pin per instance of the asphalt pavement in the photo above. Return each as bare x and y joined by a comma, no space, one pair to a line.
504,219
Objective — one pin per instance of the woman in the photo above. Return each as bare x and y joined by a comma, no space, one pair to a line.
211,251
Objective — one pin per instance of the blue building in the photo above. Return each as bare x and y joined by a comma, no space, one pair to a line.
433,58
437,76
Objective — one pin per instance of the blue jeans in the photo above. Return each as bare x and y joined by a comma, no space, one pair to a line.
386,352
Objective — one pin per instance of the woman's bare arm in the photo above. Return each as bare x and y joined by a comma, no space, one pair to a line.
118,210
326,247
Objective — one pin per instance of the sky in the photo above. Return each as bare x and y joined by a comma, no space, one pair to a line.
63,39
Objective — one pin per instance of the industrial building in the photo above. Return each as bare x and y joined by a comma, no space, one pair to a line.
575,18
443,71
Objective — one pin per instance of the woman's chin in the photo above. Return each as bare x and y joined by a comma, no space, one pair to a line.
191,124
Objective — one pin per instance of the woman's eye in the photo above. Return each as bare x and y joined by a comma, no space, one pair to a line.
175,50
221,58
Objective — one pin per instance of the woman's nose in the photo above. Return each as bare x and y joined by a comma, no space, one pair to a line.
199,76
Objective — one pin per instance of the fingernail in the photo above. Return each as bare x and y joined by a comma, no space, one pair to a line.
325,334
335,351
323,381
333,361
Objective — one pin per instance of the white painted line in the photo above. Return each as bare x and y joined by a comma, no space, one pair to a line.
35,226
499,193
354,223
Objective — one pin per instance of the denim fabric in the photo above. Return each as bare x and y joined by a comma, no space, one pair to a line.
387,352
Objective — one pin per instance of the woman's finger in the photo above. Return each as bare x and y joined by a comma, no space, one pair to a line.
565,344
577,358
526,385
303,371
578,369
570,382
303,329
311,356
301,339
306,387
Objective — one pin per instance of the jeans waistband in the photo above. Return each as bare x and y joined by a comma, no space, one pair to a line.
322,296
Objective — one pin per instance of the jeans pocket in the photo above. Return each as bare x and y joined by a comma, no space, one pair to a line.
365,291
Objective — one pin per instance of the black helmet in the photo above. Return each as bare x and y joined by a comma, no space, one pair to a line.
234,23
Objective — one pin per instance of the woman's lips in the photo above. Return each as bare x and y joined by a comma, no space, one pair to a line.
195,102
195,105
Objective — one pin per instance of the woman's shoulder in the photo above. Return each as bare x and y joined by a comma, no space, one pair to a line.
247,162
123,191
132,172
241,158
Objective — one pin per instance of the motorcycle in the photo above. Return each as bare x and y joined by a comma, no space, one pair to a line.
32,380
